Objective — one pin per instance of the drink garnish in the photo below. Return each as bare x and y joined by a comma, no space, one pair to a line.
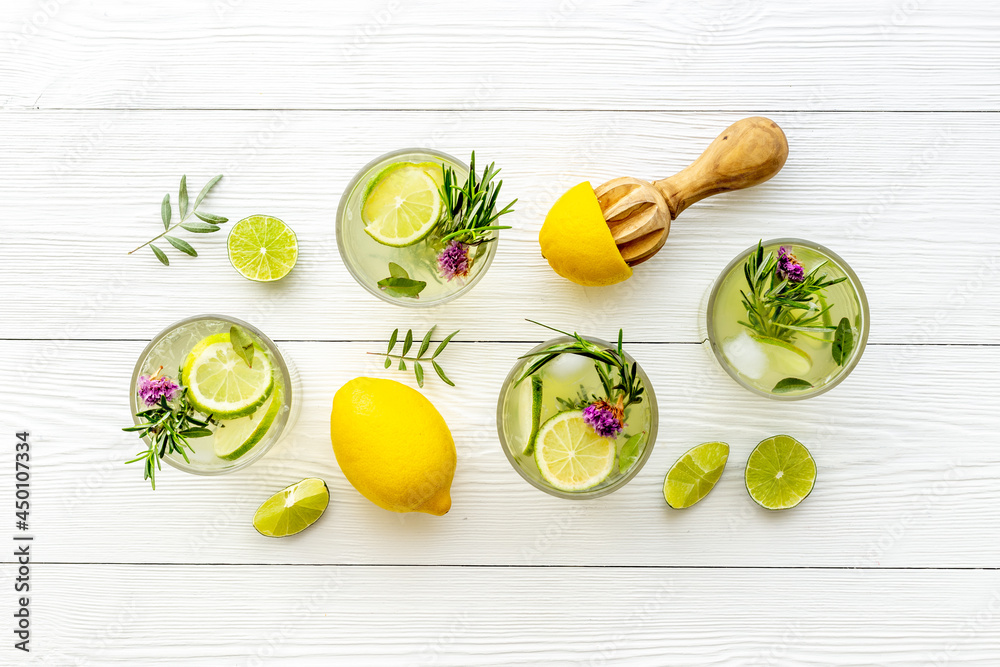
418,369
242,344
209,222
399,283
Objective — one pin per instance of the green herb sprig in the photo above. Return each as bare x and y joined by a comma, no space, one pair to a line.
209,222
399,283
780,308
471,208
607,361
168,429
418,369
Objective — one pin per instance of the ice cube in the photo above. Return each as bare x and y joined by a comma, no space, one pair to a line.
746,355
568,367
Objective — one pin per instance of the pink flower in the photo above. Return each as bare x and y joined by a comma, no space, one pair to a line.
453,262
154,387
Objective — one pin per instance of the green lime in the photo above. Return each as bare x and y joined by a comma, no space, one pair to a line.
235,437
262,248
220,383
785,356
570,455
694,474
780,473
536,413
292,509
403,207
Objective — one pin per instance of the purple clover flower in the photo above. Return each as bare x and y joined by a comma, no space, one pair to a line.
604,418
154,387
788,267
453,262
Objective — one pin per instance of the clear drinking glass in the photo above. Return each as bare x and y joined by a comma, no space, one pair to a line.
792,364
368,260
170,348
564,378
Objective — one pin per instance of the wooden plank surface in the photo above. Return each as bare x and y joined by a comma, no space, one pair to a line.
882,190
518,54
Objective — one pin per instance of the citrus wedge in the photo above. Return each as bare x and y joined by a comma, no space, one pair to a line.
695,474
292,509
570,455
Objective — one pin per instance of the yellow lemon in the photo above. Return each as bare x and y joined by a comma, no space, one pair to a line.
393,446
577,241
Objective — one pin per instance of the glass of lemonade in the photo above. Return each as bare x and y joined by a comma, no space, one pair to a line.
198,351
788,319
393,211
564,431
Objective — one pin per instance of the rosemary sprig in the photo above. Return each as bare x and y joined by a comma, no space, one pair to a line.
780,308
209,222
418,369
168,429
609,362
471,208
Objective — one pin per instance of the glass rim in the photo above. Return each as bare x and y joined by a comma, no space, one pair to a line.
487,260
859,291
654,420
258,451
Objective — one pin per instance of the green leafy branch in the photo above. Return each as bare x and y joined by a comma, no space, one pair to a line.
418,369
209,222
168,430
471,208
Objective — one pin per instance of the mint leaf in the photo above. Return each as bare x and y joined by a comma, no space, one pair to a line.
790,384
242,344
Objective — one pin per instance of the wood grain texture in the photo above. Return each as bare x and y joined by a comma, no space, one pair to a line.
907,469
552,54
362,616
83,188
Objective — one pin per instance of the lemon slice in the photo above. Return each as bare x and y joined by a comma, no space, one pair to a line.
403,206
235,437
695,474
570,455
219,383
292,509
780,473
262,248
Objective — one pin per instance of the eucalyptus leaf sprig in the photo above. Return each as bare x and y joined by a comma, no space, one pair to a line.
471,208
209,222
609,363
418,369
168,428
779,304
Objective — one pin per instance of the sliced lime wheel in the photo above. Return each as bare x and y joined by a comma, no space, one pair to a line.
292,509
262,248
235,437
785,357
780,473
694,474
403,206
220,383
570,455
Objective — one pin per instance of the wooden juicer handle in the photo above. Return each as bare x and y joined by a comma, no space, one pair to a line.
747,153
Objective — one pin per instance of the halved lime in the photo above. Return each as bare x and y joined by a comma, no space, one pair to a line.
403,207
570,455
788,359
694,474
235,437
780,473
292,509
263,248
534,408
220,383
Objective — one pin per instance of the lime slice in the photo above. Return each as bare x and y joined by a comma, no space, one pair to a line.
292,509
694,474
434,170
403,207
219,383
780,473
570,455
785,357
534,408
235,437
262,248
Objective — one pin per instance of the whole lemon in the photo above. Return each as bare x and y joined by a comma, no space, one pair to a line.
393,446
577,242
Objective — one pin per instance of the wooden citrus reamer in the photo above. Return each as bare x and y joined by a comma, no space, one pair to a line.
748,152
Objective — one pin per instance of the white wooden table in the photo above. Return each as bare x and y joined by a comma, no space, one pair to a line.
890,108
